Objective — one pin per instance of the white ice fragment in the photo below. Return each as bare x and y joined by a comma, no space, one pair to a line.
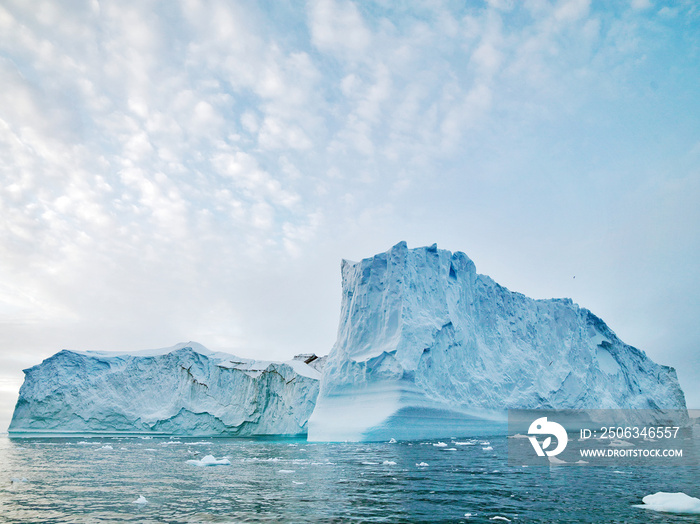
367,463
467,443
298,483
18,480
210,460
620,444
498,517
287,471
140,500
392,441
487,448
422,464
440,445
389,463
671,503
107,447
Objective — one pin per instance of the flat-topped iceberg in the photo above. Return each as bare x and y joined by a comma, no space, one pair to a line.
427,347
182,390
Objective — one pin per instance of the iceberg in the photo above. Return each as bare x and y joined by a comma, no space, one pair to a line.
181,390
428,348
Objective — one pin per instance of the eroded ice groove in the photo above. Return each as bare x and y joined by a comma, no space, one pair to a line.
428,348
182,390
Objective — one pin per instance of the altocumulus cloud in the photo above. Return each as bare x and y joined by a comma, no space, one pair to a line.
196,170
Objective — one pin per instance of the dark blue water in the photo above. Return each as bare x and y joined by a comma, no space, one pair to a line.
82,480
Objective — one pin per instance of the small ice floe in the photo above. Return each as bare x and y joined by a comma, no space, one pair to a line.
18,480
487,448
671,503
498,517
620,444
449,449
440,445
468,515
86,443
140,500
518,435
466,443
392,441
150,449
286,471
581,462
298,483
367,463
123,449
422,464
485,443
210,460
389,463
107,447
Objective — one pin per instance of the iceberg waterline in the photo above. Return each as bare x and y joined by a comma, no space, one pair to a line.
426,348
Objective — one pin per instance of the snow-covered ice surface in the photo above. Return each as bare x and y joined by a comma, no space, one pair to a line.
182,390
428,348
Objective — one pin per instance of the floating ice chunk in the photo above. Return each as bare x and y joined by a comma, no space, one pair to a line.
367,463
210,460
449,449
440,445
581,462
18,480
392,441
107,446
287,471
620,444
467,443
484,443
517,435
140,500
298,483
422,464
389,463
487,448
467,515
671,503
498,517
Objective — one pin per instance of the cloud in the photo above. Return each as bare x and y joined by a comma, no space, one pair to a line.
159,164
338,27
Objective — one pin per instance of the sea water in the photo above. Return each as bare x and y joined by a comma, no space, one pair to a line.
157,480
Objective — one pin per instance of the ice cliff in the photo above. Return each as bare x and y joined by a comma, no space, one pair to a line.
427,347
183,390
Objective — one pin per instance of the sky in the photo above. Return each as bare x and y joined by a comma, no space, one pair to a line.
197,170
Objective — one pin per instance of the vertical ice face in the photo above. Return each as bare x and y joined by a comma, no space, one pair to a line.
427,347
183,390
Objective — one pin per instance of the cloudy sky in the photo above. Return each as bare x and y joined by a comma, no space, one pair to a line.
186,170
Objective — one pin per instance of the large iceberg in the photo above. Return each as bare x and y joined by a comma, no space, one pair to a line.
182,390
427,347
